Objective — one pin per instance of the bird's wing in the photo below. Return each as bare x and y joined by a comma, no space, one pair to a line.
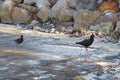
83,42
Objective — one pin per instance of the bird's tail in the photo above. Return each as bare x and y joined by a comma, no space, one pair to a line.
77,43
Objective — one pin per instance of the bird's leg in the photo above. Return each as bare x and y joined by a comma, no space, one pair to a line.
86,50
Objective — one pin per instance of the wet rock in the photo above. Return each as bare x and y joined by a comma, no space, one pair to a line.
99,73
112,57
20,15
84,18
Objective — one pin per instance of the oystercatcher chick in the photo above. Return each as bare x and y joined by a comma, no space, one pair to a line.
87,42
19,40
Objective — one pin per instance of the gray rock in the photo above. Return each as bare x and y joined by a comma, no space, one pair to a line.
84,18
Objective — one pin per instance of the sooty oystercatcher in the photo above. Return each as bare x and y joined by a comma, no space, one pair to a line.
87,42
19,40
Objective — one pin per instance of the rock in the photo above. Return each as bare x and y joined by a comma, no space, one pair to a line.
86,4
104,27
31,9
6,11
18,1
55,11
64,9
108,5
41,3
105,23
20,15
52,2
117,25
52,30
84,18
36,28
34,22
115,36
29,2
44,13
79,78
66,14
72,4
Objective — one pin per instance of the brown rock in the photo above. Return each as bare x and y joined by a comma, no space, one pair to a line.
108,5
44,13
84,18
20,15
32,9
6,11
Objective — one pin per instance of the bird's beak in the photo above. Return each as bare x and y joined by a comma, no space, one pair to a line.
96,37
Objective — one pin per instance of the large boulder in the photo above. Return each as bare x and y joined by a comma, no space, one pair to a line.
66,14
44,13
20,15
6,11
41,3
106,23
56,9
63,9
84,18
86,4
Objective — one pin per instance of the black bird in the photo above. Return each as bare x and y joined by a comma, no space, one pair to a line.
87,42
19,40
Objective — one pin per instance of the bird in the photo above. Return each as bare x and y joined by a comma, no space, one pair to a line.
19,40
87,42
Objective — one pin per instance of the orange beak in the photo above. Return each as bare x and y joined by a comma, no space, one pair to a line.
96,37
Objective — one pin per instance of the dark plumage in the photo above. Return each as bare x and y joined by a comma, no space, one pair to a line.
87,42
19,40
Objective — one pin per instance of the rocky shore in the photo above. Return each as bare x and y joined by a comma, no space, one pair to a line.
48,56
